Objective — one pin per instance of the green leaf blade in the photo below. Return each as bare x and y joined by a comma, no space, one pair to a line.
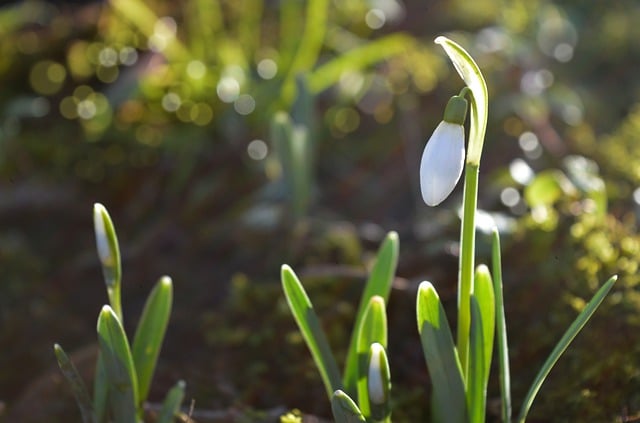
476,388
484,295
378,284
563,344
501,329
445,371
150,332
344,409
77,385
311,330
119,367
171,404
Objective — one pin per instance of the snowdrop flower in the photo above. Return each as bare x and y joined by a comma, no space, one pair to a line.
443,157
102,241
378,380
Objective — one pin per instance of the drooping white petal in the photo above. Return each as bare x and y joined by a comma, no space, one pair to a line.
442,162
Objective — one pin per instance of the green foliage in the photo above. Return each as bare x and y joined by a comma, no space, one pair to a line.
123,374
370,328
448,401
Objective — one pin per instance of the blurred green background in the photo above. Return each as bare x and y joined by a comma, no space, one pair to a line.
164,112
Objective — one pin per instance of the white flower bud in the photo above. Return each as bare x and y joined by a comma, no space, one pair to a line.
375,382
102,242
442,162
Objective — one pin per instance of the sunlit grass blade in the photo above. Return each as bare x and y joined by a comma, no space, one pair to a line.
77,385
309,48
344,409
109,254
476,389
150,333
118,364
372,330
501,330
311,330
448,401
358,59
379,283
562,345
171,403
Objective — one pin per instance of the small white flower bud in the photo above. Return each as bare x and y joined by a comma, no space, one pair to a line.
102,242
375,382
442,163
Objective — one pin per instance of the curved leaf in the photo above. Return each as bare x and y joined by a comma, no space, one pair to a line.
118,363
379,283
311,330
562,345
449,400
150,333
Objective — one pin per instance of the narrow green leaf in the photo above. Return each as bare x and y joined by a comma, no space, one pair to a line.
372,330
301,169
171,403
481,343
119,367
448,400
150,334
472,77
109,254
501,330
309,48
344,409
77,385
562,345
483,292
476,388
379,283
358,59
311,330
100,390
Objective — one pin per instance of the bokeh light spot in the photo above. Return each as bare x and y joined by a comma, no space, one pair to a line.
244,104
196,69
267,68
510,197
128,56
201,114
375,18
47,77
86,109
228,89
257,150
108,57
171,102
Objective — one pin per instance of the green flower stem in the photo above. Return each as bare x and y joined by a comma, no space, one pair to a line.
466,265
